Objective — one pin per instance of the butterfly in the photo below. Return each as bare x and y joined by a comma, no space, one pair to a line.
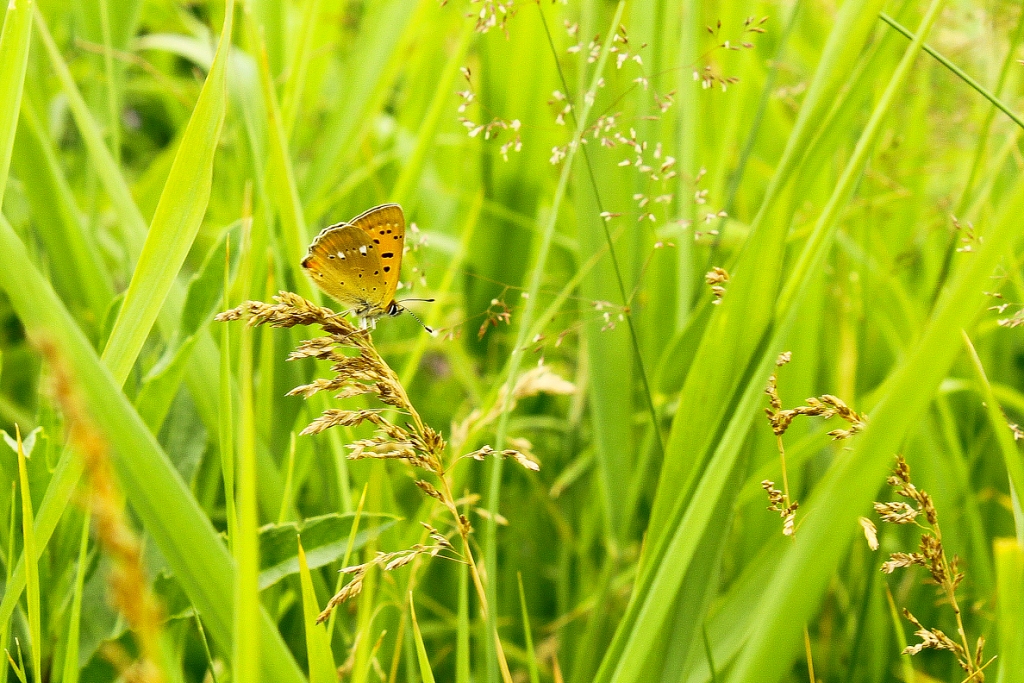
357,262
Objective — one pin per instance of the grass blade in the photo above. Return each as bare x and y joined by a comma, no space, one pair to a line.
14,44
318,646
178,215
1009,606
426,674
156,492
32,567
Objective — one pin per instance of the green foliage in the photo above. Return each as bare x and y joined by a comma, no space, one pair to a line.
569,172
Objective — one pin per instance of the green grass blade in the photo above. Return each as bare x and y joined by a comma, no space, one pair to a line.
402,192
32,586
156,492
848,487
318,646
538,268
1009,606
298,67
133,225
1004,438
280,178
71,669
247,651
77,267
531,655
426,673
178,216
374,62
14,44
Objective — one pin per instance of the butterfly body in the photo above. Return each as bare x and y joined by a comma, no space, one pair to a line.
357,262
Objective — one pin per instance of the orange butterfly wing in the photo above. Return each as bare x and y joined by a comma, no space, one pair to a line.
385,225
357,262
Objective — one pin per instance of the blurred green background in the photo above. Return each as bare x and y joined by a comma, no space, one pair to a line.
570,171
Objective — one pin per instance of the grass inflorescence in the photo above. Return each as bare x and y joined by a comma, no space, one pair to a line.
358,370
918,509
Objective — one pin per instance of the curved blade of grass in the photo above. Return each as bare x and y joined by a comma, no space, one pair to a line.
204,369
318,646
32,567
846,490
539,263
75,618
169,513
245,663
179,213
77,268
426,675
14,44
674,541
1004,438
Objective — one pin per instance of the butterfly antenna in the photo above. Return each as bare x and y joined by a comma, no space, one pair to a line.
415,317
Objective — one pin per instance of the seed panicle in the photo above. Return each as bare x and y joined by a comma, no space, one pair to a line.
931,555
359,370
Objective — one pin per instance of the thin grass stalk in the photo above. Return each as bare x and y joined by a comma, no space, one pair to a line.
634,339
32,586
186,539
71,671
960,73
515,360
736,327
5,625
462,632
905,395
113,109
426,674
659,550
14,45
246,653
295,85
986,126
346,560
226,430
687,146
1004,437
